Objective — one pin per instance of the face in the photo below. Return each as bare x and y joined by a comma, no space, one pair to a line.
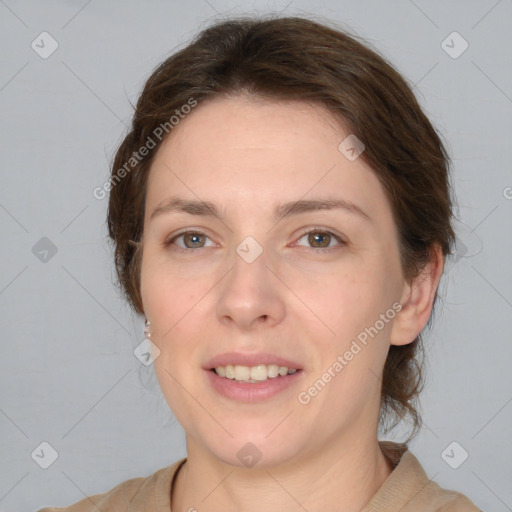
268,281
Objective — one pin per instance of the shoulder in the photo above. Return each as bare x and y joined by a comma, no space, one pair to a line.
430,493
444,500
409,489
142,493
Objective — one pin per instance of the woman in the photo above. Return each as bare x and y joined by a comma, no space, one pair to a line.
281,214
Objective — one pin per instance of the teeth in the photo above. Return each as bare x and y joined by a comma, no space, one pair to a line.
242,372
253,374
258,372
272,370
230,372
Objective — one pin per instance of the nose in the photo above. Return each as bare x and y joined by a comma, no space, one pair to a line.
250,295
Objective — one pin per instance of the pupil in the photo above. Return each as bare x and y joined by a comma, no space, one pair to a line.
319,238
193,238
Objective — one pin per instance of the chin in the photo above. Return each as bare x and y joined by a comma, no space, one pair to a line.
258,451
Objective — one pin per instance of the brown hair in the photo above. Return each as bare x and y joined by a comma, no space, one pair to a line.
297,58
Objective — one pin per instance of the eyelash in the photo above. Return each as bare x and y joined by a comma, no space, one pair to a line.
340,241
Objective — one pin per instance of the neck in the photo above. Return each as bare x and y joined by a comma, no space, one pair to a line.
341,476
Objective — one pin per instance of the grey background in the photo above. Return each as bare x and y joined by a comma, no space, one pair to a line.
68,373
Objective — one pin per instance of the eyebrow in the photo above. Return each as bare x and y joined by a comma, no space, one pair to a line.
207,208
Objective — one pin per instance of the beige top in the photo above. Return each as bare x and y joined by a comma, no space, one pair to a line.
407,489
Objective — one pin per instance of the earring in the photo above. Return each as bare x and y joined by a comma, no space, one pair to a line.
147,334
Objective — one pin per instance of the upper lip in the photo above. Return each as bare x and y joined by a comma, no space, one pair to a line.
253,359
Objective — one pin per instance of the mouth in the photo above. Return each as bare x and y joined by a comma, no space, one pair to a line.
253,374
251,378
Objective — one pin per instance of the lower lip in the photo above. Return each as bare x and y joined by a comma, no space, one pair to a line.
252,392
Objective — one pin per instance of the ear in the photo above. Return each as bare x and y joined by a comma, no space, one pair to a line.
417,300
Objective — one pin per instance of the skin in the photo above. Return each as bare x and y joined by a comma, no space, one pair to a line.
248,155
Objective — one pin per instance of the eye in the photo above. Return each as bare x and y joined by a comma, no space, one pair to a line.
191,240
317,238
322,239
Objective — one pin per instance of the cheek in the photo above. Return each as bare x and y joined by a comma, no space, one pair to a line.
174,306
171,303
345,300
347,304
167,294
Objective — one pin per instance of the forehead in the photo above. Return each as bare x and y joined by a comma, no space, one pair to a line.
245,150
255,122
